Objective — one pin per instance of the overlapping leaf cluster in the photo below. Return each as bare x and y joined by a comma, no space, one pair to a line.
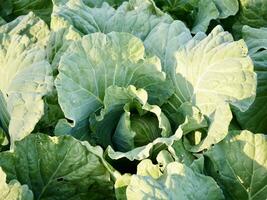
133,99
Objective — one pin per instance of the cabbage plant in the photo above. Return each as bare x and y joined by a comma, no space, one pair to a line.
136,99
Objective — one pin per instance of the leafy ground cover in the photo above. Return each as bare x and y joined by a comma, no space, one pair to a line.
135,99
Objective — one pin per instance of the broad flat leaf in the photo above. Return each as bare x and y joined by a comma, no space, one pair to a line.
26,78
239,165
58,168
80,131
207,11
30,25
101,61
162,36
137,17
255,118
127,120
177,182
214,70
227,8
164,40
13,190
93,19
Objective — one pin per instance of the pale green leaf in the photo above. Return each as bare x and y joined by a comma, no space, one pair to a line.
59,42
215,70
177,182
163,158
25,79
227,8
164,40
137,17
207,11
30,25
101,61
238,164
218,124
147,168
200,131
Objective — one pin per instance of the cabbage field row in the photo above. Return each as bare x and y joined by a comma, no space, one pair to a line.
137,100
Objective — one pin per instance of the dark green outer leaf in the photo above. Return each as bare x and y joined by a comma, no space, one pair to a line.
58,168
251,13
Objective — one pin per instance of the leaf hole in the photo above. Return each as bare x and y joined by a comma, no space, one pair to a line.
70,121
60,179
261,49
